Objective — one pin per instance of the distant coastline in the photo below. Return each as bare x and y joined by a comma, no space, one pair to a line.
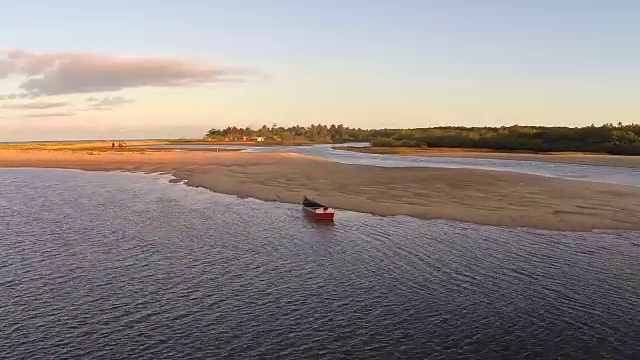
132,145
611,139
146,146
607,139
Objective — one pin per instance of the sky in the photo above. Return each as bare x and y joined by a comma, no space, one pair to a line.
166,69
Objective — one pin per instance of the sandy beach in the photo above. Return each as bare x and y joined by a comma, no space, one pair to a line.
476,196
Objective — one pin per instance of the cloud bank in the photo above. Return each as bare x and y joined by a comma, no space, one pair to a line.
107,103
46,74
54,114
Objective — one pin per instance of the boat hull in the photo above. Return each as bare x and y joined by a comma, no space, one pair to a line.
319,214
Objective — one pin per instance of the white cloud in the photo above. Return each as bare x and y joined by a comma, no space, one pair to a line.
109,101
35,105
48,115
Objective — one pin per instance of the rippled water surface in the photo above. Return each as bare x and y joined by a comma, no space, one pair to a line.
114,265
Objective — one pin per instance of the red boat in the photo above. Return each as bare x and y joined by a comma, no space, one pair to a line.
317,211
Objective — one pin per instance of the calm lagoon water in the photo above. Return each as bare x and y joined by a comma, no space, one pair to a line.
116,265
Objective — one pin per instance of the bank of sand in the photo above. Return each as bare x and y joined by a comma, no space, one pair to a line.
477,196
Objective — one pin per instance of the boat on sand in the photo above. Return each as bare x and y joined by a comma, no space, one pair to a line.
317,211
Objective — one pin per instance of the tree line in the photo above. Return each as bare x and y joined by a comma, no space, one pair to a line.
313,133
608,138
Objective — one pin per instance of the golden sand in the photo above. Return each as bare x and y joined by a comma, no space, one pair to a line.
477,196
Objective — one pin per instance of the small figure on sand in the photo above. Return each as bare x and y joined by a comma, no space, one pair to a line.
113,145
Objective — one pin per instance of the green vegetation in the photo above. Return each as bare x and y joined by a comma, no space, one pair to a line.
293,134
620,139
612,139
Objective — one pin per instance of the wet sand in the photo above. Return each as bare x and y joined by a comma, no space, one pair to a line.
476,196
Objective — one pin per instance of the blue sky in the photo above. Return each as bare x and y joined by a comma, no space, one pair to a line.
361,63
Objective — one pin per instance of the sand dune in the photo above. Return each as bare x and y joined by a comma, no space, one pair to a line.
477,196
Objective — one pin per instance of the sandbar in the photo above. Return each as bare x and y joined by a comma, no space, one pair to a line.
475,196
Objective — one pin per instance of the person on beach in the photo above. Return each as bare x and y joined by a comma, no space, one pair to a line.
113,145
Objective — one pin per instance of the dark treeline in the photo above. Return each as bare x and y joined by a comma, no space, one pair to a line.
620,139
613,139
313,133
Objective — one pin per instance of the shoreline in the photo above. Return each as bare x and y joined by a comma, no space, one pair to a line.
595,159
139,144
474,196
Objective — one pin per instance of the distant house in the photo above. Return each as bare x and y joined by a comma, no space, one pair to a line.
236,138
257,138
